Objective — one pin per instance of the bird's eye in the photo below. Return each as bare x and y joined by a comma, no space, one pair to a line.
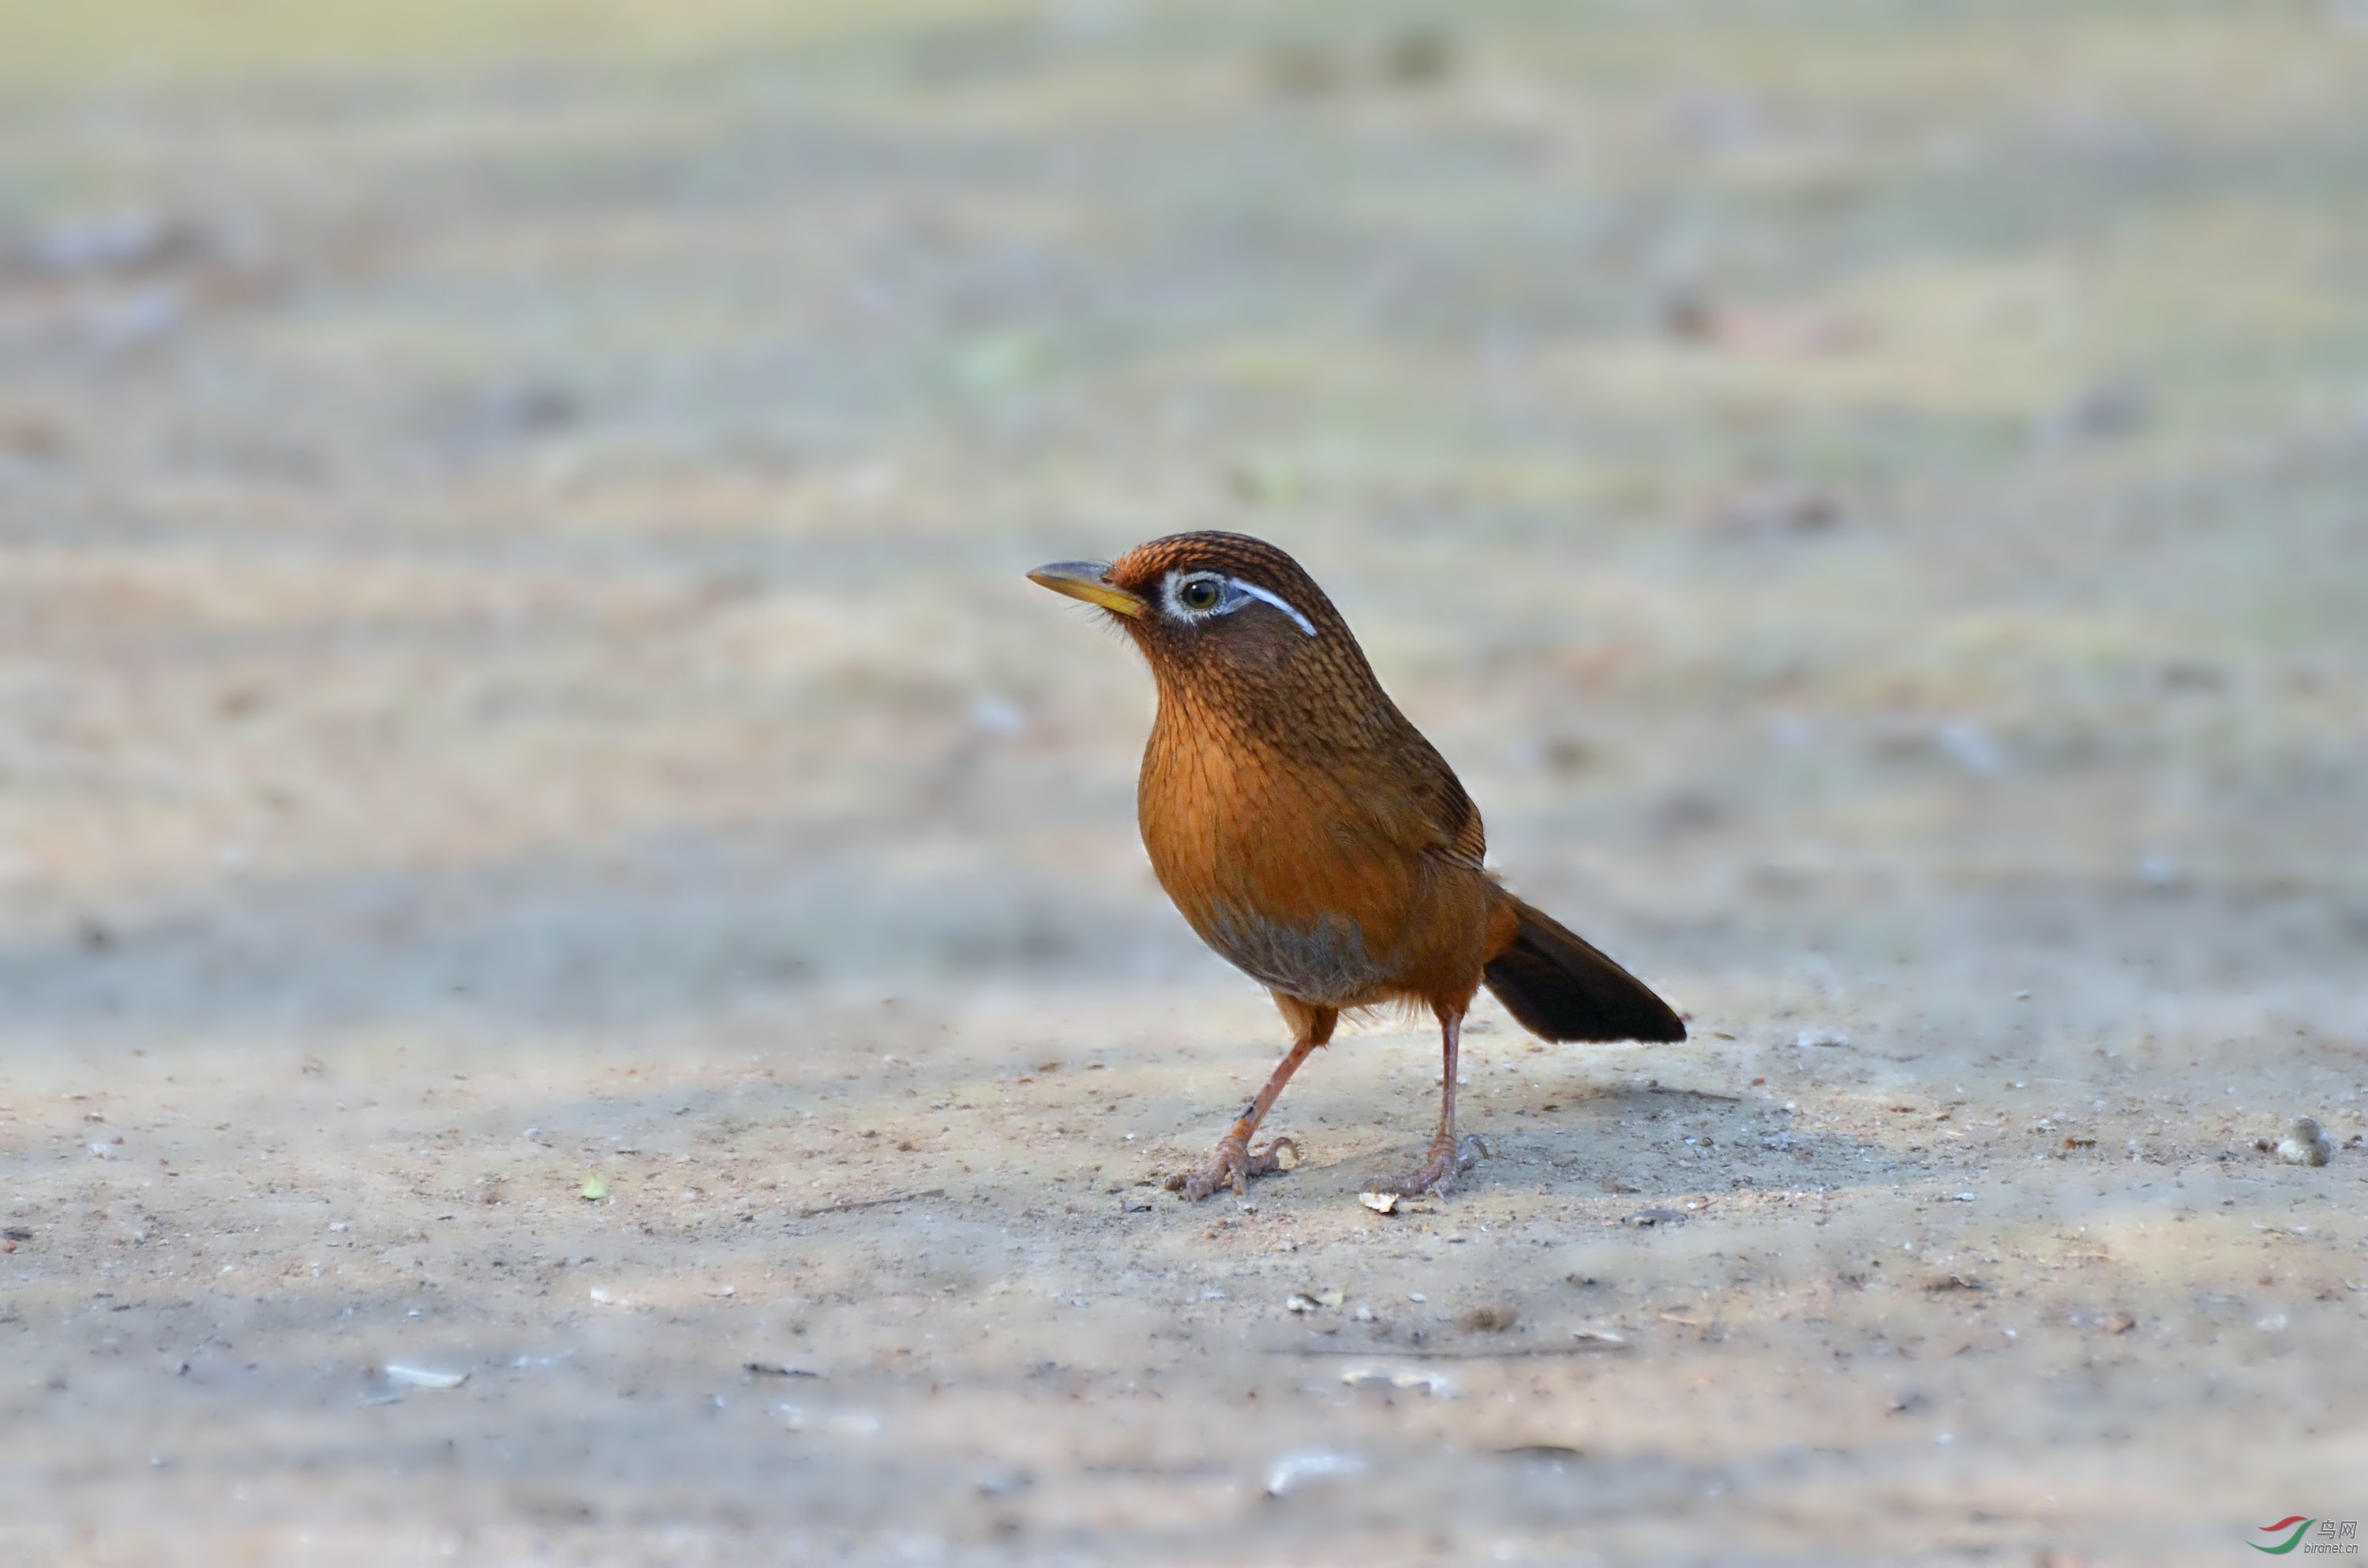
1200,593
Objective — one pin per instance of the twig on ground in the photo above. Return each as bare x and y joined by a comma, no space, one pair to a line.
871,1202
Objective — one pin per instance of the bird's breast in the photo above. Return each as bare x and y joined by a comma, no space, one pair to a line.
1280,865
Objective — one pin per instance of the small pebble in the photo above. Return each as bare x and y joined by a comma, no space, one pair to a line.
2305,1144
1306,1464
1406,1378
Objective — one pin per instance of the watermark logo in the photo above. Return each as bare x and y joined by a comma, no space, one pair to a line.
2335,1537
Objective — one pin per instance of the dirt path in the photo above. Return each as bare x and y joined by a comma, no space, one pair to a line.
544,840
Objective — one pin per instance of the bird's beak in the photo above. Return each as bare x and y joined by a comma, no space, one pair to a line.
1088,580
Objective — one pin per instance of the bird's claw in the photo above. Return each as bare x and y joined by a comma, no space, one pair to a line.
1235,1163
1446,1163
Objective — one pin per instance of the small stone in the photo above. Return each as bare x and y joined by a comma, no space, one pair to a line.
1295,1469
2305,1144
1403,1378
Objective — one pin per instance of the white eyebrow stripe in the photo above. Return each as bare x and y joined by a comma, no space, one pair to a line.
1277,600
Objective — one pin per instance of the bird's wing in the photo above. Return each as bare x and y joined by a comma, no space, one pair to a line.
1463,840
1421,807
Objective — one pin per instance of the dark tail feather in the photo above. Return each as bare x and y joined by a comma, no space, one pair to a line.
1561,989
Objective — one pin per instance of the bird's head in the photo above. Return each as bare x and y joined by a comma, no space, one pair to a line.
1213,604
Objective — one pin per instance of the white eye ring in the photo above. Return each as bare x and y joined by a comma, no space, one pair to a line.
1224,597
1235,594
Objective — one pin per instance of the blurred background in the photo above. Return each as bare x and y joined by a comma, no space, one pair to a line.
566,468
512,515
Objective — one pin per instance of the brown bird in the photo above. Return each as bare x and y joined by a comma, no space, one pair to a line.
1313,837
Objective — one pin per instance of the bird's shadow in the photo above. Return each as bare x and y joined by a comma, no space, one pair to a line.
1632,1145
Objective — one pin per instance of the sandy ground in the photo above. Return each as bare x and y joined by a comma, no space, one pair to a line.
545,841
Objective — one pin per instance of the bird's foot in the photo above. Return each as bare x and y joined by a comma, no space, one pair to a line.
1233,1165
1448,1160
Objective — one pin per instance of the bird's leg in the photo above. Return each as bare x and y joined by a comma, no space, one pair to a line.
1235,1161
1447,1157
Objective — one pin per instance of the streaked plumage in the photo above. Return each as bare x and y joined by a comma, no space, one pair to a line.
1312,835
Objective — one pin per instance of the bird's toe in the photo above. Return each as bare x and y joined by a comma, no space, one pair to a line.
1233,1164
1447,1162
1268,1160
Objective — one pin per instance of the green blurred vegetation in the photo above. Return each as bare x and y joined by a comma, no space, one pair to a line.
163,39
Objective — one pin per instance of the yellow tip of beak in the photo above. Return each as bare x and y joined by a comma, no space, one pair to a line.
1088,580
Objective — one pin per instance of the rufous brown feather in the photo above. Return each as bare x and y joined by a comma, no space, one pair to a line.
1312,835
